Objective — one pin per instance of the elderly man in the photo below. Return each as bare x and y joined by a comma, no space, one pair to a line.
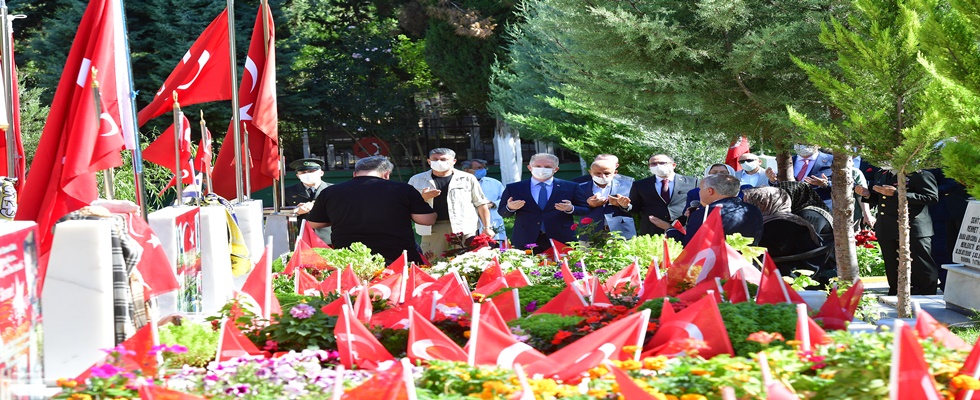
752,173
492,189
542,206
607,193
373,210
720,191
302,195
659,200
457,198
605,157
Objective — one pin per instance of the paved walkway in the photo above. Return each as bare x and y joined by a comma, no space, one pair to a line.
934,305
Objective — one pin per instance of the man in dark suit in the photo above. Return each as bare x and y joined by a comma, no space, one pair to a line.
721,191
607,191
303,194
812,166
543,206
623,179
659,200
922,192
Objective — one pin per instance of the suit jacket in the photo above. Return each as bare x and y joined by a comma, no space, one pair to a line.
296,194
821,166
736,216
645,201
529,218
612,216
922,192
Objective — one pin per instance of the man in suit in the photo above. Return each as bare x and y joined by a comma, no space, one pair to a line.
302,195
604,205
721,191
811,166
543,206
605,157
659,200
752,173
922,192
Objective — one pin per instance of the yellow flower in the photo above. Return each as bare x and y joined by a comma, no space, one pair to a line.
965,382
600,393
796,343
630,349
671,397
630,365
466,334
598,372
698,372
742,377
80,396
67,383
655,363
693,397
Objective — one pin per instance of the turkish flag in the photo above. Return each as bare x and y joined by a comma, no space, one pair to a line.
162,152
599,296
304,283
340,281
305,257
501,349
491,273
19,163
492,287
808,333
852,298
517,278
927,327
626,277
203,75
701,290
971,367
259,115
426,342
559,249
652,280
667,310
490,315
707,250
604,344
737,289
356,344
310,238
362,306
76,141
258,287
772,288
395,317
738,147
234,344
627,386
150,392
395,383
155,268
910,376
204,158
831,314
565,303
139,357
388,288
700,321
508,304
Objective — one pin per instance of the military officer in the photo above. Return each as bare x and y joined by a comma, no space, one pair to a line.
303,194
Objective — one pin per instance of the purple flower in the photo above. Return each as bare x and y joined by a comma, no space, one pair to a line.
558,275
533,305
600,271
238,390
536,273
302,311
105,371
578,275
579,264
531,245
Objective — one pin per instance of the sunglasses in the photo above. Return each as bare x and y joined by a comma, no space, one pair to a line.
748,160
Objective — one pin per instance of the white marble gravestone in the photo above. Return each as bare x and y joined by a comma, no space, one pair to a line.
963,280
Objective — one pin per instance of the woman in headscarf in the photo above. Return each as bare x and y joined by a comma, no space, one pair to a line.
787,236
807,204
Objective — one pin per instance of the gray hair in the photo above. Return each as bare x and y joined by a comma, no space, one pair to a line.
379,164
443,150
468,164
725,185
610,157
551,157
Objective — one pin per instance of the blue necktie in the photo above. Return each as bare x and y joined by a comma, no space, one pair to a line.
542,195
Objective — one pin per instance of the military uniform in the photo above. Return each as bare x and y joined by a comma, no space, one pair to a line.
300,193
922,191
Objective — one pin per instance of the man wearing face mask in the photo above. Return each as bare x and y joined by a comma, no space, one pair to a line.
457,198
752,173
543,206
659,200
811,166
607,195
302,195
720,191
492,189
605,157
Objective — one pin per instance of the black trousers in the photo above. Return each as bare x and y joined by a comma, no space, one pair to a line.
925,274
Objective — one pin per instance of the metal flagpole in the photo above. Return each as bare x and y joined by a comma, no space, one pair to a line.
140,184
247,160
178,133
236,117
108,176
204,133
8,91
277,194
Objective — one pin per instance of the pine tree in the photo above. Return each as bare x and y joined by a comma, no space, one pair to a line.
880,89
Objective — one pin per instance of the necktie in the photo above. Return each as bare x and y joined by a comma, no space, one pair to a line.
802,174
312,192
665,190
542,195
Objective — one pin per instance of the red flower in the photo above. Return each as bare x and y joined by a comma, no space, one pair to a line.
586,220
560,336
574,226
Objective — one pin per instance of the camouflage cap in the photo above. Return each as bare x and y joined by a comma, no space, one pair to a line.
306,164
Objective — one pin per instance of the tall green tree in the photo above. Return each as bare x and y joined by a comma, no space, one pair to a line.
881,91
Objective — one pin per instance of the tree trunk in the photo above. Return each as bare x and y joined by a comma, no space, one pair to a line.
784,162
507,142
904,254
842,194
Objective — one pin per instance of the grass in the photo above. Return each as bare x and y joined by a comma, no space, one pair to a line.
968,334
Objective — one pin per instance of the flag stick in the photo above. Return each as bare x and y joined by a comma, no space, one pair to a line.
803,324
8,92
140,185
895,372
247,160
235,114
267,307
107,174
207,170
474,332
178,133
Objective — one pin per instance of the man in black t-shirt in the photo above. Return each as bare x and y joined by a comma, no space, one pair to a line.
373,210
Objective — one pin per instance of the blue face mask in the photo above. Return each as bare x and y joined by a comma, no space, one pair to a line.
480,173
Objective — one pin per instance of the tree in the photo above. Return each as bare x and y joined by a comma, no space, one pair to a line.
880,89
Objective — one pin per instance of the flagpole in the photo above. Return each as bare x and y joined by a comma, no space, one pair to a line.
8,91
139,183
178,134
277,188
247,160
108,176
206,173
236,111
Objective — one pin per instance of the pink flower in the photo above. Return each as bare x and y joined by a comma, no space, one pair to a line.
574,227
586,220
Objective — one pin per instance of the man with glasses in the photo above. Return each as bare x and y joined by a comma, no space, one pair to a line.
659,200
752,173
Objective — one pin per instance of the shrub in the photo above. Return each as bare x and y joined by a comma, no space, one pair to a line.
200,340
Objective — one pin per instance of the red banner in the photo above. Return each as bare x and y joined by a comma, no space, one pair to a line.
189,260
18,270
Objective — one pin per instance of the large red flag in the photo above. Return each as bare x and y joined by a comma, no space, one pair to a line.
707,250
606,343
76,142
910,376
700,321
739,147
161,152
501,349
154,266
426,342
14,125
203,74
259,114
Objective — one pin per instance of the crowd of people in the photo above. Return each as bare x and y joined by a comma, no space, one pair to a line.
791,218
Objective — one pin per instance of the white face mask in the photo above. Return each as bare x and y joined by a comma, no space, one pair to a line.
804,151
662,171
542,174
602,180
440,166
750,165
310,178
